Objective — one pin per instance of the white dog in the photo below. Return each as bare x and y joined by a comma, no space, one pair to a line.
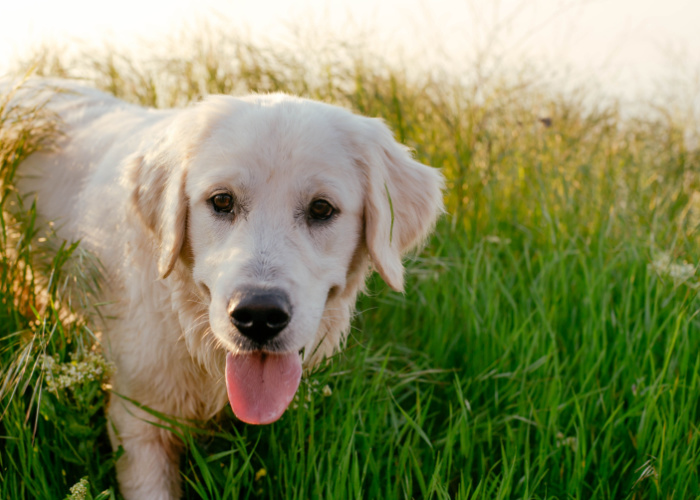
236,235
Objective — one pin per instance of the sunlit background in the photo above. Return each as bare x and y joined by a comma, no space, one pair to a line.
627,47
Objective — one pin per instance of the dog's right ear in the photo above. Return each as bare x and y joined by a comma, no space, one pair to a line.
158,196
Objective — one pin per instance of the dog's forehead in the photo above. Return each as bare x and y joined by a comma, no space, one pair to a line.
288,138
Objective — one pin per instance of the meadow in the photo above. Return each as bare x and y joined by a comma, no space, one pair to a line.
547,345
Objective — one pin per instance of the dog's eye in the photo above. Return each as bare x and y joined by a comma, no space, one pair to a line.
321,210
222,202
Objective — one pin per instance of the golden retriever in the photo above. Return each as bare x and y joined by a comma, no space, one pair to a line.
236,235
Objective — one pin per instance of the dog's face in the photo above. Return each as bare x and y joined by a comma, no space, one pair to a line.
271,207
273,225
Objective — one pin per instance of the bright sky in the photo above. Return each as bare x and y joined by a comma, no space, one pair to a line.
627,44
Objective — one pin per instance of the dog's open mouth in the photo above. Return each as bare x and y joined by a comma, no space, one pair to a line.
261,385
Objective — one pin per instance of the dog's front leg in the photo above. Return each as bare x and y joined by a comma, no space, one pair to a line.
149,466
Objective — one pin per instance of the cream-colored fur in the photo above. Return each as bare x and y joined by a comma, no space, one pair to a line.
135,185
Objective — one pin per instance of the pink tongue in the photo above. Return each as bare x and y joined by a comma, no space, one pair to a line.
260,385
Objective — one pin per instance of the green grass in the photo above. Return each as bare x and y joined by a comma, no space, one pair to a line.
547,346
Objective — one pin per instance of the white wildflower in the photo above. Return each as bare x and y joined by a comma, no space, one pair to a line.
682,272
79,490
679,272
311,389
661,263
69,375
570,441
497,240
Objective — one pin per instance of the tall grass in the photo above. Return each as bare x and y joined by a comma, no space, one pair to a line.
548,344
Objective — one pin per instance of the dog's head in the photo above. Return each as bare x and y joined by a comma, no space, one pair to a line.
271,208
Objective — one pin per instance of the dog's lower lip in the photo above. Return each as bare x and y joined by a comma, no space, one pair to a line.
246,346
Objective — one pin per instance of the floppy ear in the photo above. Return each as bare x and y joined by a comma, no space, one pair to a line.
158,174
159,198
403,200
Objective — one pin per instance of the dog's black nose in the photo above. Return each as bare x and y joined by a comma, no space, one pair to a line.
260,314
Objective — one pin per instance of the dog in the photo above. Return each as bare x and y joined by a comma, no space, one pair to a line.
235,235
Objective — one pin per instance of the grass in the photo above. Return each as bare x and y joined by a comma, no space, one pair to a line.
547,347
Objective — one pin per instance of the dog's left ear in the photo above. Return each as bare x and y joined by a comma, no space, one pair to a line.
158,195
402,202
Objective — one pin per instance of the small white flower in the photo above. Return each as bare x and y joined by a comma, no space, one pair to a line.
570,442
661,263
682,272
679,272
497,239
79,490
69,375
